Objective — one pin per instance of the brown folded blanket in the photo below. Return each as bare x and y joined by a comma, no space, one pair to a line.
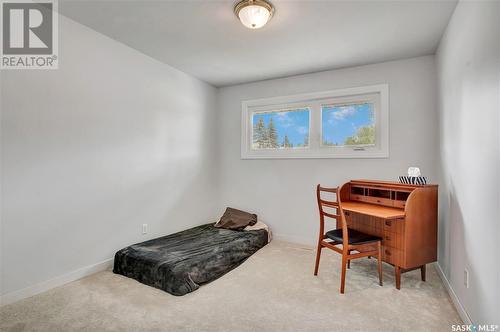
236,219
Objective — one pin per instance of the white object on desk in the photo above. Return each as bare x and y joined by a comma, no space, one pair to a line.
413,171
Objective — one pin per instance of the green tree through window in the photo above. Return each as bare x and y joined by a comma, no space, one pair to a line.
281,129
364,135
272,135
260,134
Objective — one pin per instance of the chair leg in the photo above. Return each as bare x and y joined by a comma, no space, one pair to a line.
349,261
422,272
379,258
318,255
342,280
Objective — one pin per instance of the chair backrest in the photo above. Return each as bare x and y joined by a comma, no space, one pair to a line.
335,204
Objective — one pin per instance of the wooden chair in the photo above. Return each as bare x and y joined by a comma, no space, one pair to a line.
349,239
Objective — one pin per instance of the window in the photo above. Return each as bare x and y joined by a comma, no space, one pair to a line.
347,123
281,129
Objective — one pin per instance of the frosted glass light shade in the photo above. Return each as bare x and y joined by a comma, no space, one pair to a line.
254,17
254,14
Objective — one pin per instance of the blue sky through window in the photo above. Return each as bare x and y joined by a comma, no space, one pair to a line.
341,122
294,124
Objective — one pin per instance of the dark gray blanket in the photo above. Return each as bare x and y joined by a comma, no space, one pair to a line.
179,263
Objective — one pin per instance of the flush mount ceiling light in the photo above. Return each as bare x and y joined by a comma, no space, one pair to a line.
254,14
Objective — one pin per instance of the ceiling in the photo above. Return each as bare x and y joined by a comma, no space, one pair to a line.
204,38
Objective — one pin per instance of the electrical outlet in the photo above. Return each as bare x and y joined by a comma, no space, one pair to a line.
144,228
466,278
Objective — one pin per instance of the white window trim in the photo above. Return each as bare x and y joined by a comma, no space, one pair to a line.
314,101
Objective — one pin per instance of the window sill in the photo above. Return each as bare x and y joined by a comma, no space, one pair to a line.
378,154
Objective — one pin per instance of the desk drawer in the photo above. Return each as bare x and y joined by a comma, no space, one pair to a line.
359,198
393,256
394,226
399,204
378,200
393,240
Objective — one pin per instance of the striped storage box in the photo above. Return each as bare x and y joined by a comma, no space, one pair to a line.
420,180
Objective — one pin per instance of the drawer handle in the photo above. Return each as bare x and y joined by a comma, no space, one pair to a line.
388,238
378,201
388,223
387,252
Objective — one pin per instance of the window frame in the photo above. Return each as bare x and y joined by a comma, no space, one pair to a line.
314,102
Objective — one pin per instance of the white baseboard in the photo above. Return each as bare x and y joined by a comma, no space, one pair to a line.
460,308
295,239
55,282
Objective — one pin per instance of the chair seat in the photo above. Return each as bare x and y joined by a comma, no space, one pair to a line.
355,237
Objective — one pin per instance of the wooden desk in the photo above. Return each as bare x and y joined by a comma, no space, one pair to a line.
373,210
404,216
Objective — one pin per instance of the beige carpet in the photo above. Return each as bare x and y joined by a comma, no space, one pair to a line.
274,290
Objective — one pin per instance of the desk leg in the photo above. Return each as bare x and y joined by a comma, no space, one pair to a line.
398,277
422,272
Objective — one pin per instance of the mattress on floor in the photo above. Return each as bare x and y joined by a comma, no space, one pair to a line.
179,263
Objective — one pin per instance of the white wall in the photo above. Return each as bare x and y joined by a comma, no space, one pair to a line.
282,192
91,151
468,62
